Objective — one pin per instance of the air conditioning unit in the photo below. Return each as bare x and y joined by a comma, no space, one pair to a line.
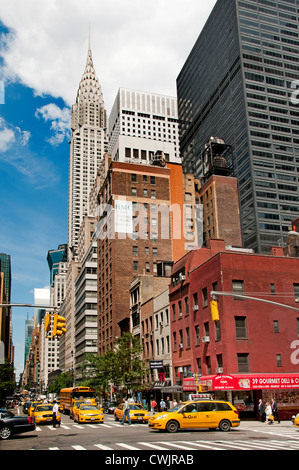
219,370
182,277
205,339
181,345
195,307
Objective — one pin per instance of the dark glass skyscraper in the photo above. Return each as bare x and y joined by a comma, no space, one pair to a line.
239,84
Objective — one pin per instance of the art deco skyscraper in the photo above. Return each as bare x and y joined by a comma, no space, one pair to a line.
88,143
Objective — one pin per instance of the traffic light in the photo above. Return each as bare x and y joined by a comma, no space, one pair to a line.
58,325
47,323
214,310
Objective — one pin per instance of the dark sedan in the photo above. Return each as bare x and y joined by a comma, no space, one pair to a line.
11,424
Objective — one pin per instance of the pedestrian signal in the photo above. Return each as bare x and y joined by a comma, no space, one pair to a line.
58,325
214,310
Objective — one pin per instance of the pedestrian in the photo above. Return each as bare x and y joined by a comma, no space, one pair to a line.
153,406
55,413
126,412
268,412
162,405
262,410
275,411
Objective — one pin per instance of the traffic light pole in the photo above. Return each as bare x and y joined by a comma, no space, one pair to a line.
46,307
215,294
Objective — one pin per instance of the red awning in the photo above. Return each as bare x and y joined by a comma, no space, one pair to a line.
249,381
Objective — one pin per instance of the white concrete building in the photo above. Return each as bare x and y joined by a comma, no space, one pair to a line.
142,126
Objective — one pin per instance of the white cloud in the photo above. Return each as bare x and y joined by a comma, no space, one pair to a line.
60,121
14,151
137,43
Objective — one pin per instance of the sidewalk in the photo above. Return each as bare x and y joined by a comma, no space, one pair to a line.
258,424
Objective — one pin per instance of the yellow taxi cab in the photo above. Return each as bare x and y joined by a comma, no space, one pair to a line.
43,413
197,414
32,407
137,413
296,420
88,413
74,408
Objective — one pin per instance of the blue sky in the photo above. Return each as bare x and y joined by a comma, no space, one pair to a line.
43,50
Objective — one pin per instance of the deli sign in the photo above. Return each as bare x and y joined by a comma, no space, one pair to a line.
251,381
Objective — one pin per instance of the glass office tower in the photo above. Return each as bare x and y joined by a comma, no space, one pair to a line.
239,84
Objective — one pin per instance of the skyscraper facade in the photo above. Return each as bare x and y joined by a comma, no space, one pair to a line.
88,143
143,126
239,84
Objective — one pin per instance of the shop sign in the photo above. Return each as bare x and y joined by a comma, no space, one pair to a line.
156,364
251,381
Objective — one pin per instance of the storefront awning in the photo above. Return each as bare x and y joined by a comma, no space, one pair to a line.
249,381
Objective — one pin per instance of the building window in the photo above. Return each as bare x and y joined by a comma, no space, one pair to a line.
133,177
278,360
272,288
188,337
238,288
173,312
152,180
174,341
275,326
135,250
197,337
135,265
241,327
217,330
205,297
186,306
243,362
296,292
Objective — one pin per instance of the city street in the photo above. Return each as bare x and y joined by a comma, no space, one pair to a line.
112,436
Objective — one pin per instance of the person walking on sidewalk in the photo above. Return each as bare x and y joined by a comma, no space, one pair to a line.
262,410
269,413
126,412
275,411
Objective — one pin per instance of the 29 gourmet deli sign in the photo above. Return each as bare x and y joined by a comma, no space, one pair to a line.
251,381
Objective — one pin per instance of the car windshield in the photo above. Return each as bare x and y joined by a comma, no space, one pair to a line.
88,407
44,408
136,407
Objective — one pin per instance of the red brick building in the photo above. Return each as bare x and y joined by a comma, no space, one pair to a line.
251,336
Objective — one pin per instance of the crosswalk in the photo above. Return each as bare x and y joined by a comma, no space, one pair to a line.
278,438
188,445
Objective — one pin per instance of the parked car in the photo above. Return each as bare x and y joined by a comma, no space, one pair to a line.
11,424
210,414
137,413
88,413
44,414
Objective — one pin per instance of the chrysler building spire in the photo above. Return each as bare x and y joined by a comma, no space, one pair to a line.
88,145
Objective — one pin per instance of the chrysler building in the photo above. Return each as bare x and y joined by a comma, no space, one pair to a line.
88,144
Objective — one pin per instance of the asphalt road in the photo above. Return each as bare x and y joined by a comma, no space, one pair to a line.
112,436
